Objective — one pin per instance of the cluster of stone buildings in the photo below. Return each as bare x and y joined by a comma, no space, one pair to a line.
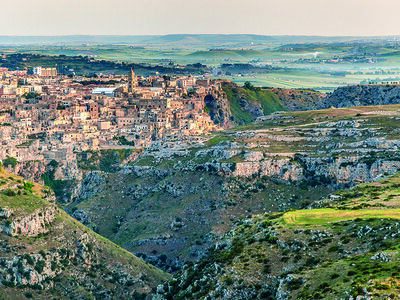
72,115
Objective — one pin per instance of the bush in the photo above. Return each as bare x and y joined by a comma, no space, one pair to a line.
295,284
333,248
29,259
40,266
335,275
312,261
351,273
10,161
9,193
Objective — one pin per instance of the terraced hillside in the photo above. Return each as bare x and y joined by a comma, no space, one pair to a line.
341,251
178,197
44,253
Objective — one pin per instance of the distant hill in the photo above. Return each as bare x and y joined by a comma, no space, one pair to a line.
178,40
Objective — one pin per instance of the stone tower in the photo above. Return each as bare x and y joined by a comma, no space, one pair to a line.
131,82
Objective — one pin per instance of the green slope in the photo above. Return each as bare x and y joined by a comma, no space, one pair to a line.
243,102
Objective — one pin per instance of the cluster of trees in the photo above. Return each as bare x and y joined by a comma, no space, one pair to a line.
31,95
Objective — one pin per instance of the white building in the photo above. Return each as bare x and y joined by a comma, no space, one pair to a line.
37,71
110,92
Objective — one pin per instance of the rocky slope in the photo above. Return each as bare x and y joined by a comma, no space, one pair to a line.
45,254
359,95
329,253
180,196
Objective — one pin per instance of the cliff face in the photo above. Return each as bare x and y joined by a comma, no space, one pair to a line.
360,95
334,172
31,169
217,104
35,170
42,248
32,224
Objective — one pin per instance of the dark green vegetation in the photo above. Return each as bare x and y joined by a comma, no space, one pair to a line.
45,254
10,161
84,65
30,96
60,187
105,160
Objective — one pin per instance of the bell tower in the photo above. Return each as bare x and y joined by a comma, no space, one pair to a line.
131,82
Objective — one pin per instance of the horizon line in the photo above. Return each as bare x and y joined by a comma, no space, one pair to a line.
169,34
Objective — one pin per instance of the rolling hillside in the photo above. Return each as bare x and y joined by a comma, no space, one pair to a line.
44,253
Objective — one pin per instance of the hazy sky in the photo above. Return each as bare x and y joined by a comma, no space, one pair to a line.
132,17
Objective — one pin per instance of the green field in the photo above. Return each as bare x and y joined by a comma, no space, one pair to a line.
328,215
312,64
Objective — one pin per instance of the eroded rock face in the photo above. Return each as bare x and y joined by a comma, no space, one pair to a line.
359,95
31,169
30,225
34,170
336,172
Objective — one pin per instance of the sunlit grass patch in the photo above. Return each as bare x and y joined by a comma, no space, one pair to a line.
328,215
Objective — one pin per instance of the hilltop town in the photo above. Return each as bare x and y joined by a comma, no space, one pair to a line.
47,116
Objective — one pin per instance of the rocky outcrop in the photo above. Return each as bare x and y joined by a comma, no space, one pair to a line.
34,170
218,107
335,172
361,95
30,225
68,170
29,169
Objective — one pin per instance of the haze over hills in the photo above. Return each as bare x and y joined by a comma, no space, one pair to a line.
183,40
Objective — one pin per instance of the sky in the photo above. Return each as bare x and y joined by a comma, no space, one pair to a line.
157,17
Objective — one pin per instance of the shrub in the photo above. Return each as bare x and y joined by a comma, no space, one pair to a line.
10,161
295,284
312,261
9,193
40,266
333,248
351,273
334,275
